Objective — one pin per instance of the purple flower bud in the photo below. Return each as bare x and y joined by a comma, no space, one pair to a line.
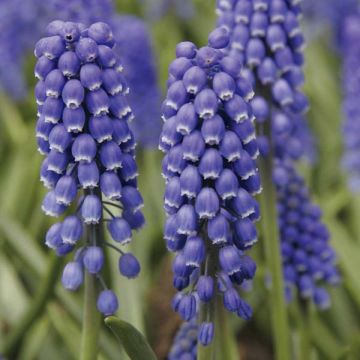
73,94
101,33
91,209
255,52
84,148
110,155
69,64
86,49
72,276
93,259
211,164
267,71
186,220
190,181
321,298
237,109
186,119
173,196
224,86
219,38
131,198
113,82
54,83
91,76
129,266
53,47
306,286
207,57
50,206
120,230
206,333
244,310
98,102
74,119
206,103
106,56
107,302
230,147
205,288
121,131
194,80
48,178
119,106
43,67
129,170
246,234
65,190
176,161
59,138
187,307
179,67
70,32
53,236
176,96
230,260
227,184
213,130
231,300
207,203
71,230
186,49
275,37
193,146
218,229
110,185
52,110
240,37
101,128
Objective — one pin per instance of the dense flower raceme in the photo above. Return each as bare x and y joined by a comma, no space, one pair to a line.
309,262
134,47
83,131
211,178
350,44
266,37
185,342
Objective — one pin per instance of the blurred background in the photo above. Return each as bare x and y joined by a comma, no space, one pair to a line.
146,45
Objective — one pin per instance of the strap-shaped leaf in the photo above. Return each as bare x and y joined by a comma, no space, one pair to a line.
131,339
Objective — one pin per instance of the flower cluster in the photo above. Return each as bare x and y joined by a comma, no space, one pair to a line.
351,90
133,45
83,131
308,259
211,178
266,37
185,342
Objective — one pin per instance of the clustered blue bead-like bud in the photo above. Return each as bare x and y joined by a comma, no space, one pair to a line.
83,131
350,37
266,37
211,178
184,345
309,262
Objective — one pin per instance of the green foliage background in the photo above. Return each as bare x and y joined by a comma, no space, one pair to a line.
28,272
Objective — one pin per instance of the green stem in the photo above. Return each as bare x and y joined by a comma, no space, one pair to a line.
304,331
37,307
273,259
91,321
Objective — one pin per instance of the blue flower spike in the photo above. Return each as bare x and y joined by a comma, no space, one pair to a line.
89,150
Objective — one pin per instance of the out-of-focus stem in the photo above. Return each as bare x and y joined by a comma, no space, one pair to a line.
270,232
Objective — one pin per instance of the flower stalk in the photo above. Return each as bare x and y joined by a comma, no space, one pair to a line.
271,240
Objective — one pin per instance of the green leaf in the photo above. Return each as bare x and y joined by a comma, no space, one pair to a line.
131,339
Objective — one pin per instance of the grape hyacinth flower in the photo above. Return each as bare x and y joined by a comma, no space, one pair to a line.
351,109
83,131
309,262
267,39
134,48
211,179
185,342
